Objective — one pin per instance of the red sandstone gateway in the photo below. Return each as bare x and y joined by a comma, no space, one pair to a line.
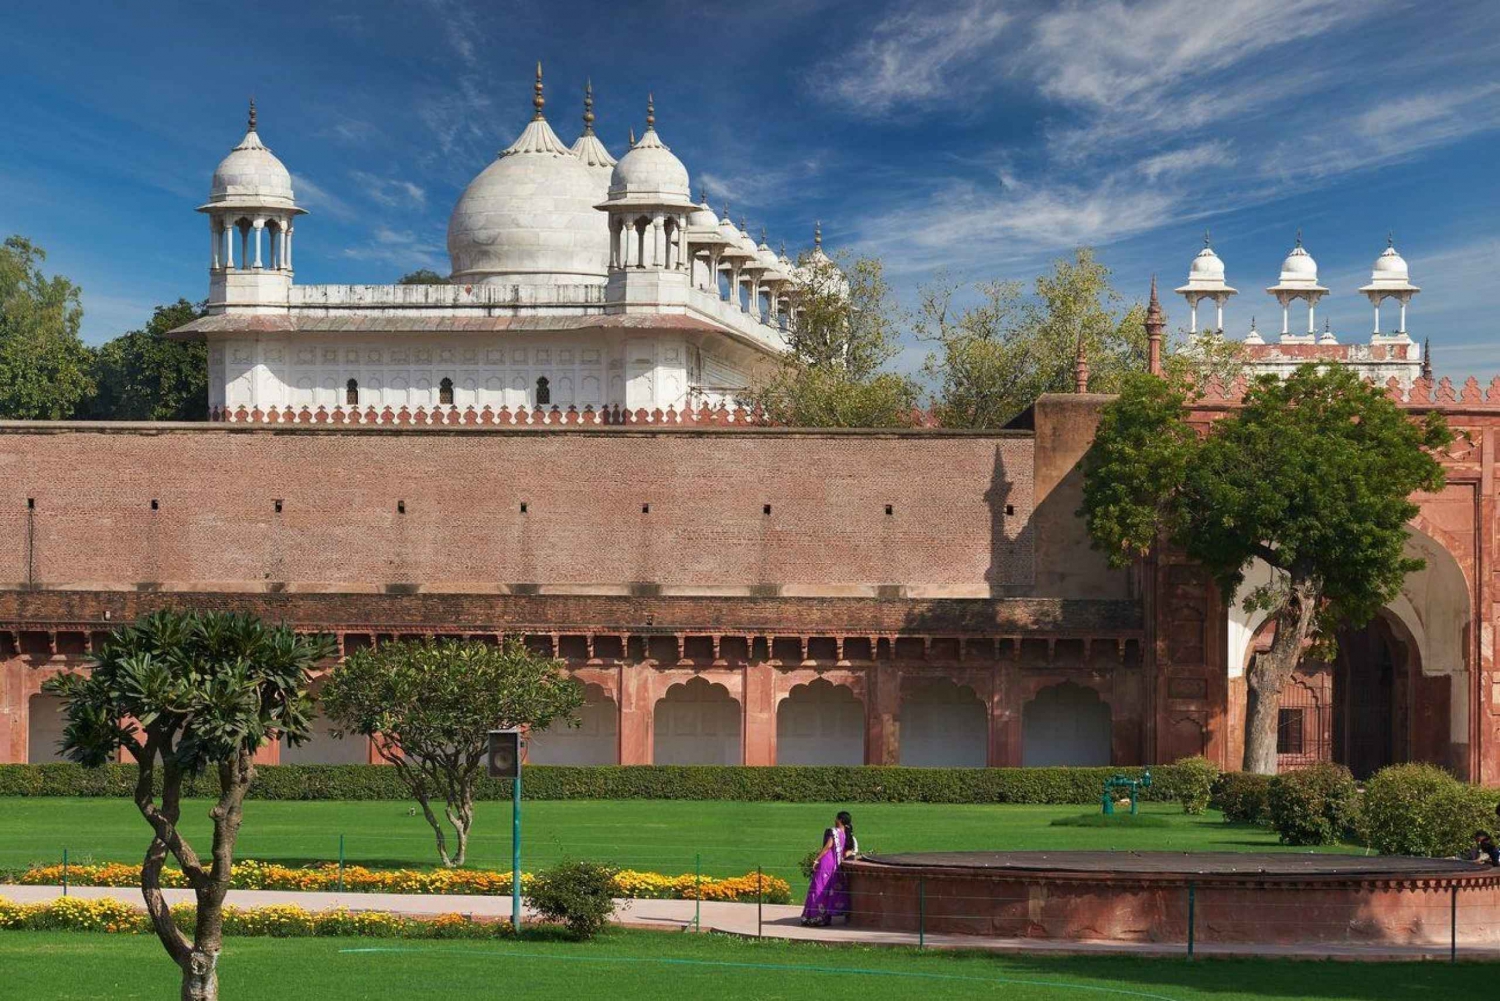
1226,897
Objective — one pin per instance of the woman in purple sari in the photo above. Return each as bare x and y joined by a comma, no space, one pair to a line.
826,893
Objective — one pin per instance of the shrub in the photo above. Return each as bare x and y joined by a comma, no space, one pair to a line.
1316,805
580,895
1422,810
779,783
1196,777
1244,797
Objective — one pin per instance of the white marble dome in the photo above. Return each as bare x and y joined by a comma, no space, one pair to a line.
1299,265
1206,266
649,172
251,176
530,219
1390,266
703,217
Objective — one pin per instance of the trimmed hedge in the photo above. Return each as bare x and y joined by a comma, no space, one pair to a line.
1316,805
1422,810
786,783
1245,797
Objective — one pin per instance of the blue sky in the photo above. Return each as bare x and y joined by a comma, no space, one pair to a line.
981,138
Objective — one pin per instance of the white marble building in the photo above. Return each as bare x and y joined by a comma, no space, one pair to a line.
1388,354
577,281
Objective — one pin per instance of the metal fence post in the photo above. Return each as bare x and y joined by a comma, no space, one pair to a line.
1192,915
65,872
341,863
1453,924
760,901
921,913
698,892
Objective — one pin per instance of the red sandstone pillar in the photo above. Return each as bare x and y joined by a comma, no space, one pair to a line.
759,709
637,702
1005,720
883,716
14,722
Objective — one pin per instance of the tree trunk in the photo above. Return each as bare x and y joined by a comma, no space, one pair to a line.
1269,672
200,977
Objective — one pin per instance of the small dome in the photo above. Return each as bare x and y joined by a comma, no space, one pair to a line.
648,172
592,153
1390,265
765,255
733,247
745,243
703,217
1299,265
251,176
1206,266
529,217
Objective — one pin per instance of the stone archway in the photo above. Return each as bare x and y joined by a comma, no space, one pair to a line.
44,728
697,723
820,723
595,741
944,725
1373,674
1066,724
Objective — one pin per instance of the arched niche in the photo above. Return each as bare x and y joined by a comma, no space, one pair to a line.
44,728
820,723
944,725
595,741
697,723
1066,724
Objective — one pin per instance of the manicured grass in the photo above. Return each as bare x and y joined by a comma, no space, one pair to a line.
61,966
730,838
1114,822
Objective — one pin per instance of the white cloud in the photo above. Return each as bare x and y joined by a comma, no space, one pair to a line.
760,186
391,192
915,56
403,248
1187,160
311,195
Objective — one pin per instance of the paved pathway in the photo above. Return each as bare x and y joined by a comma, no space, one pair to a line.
776,921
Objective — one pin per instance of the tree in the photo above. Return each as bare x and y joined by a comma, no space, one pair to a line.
845,332
1311,475
428,705
183,693
145,376
44,366
422,276
995,357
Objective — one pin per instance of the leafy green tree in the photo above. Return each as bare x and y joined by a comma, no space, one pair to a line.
1311,475
145,376
428,707
845,333
44,366
995,356
184,693
422,276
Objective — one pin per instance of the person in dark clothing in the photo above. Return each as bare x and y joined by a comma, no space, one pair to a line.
1487,852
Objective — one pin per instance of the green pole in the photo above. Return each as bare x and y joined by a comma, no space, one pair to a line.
921,913
65,872
1192,915
698,892
515,853
1453,923
341,863
760,900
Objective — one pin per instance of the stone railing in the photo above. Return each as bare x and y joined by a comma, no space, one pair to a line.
700,417
377,298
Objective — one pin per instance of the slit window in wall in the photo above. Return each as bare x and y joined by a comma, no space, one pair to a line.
351,393
278,506
645,509
765,509
1010,509
401,507
543,391
445,392
523,507
890,509
154,505
31,503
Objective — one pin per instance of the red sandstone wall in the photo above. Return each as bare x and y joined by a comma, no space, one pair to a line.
215,525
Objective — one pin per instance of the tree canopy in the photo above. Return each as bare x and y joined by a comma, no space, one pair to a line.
833,374
144,376
429,705
183,693
44,366
1311,475
422,276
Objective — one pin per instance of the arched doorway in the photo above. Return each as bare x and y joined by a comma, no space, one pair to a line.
44,729
944,725
1066,724
697,723
820,723
595,741
1372,681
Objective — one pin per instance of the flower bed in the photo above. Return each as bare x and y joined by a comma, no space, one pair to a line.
277,921
252,875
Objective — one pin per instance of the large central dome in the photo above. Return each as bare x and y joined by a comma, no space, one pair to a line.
529,217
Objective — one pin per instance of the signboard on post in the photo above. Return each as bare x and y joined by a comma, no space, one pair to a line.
503,759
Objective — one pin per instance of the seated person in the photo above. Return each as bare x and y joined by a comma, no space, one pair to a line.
1486,851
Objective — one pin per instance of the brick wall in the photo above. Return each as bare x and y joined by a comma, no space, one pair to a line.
614,508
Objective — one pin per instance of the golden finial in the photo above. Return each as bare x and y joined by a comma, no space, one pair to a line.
650,111
588,108
537,100
251,127
1299,236
632,135
763,234
818,233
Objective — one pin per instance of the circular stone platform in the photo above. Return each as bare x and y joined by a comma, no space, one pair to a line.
1262,898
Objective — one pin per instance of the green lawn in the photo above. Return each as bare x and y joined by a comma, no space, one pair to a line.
667,836
62,966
